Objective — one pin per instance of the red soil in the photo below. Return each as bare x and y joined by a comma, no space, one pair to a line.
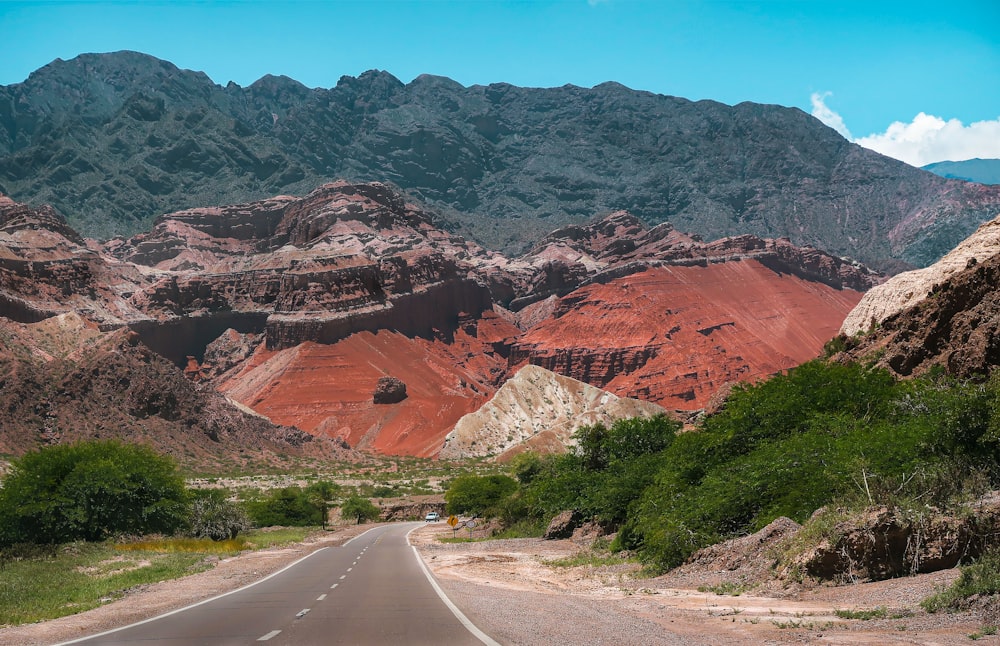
327,389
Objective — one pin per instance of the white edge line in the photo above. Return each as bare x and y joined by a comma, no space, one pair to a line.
193,605
471,627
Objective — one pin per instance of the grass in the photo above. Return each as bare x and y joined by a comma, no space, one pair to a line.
82,576
79,576
982,578
587,558
864,615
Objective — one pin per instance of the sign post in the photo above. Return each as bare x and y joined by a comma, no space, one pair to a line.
453,521
471,524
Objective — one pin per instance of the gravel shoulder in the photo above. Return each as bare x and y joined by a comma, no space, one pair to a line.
512,591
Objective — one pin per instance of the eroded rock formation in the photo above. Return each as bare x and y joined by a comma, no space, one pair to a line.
538,409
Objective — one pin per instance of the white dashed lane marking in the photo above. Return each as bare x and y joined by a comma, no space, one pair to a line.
321,597
273,633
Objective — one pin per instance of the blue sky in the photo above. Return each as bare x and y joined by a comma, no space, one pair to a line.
859,66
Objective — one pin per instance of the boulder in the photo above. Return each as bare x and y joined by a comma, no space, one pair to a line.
389,390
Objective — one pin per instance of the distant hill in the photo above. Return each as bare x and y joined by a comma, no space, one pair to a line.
984,171
113,140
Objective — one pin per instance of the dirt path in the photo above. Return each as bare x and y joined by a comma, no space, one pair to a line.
512,591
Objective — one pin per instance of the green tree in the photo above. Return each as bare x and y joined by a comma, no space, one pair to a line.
478,494
359,508
91,490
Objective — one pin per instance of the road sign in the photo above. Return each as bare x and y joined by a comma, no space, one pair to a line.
452,520
470,524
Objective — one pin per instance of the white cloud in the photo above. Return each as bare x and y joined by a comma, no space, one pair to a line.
929,139
924,140
822,112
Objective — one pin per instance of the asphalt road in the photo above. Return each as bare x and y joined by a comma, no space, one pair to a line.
372,590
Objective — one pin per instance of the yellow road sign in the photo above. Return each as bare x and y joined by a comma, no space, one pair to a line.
452,520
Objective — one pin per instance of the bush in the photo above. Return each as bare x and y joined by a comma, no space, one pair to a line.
979,580
90,491
219,519
360,509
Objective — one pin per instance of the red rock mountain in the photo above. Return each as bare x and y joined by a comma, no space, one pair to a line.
299,308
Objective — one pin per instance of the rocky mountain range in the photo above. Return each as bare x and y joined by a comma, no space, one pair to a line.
351,315
113,140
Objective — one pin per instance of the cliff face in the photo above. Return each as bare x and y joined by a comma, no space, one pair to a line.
299,307
343,259
112,140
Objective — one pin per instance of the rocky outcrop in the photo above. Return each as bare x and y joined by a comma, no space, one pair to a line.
537,409
65,380
619,243
46,269
956,327
562,525
884,543
906,289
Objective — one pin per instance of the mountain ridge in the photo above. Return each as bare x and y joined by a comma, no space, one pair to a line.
114,140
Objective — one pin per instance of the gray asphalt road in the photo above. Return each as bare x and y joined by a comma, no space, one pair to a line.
370,591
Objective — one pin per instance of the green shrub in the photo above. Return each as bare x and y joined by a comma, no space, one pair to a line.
481,495
289,507
981,578
89,491
219,519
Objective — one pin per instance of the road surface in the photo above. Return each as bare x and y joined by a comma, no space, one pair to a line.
372,590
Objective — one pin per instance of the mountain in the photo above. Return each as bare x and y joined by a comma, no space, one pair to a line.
983,171
351,315
113,140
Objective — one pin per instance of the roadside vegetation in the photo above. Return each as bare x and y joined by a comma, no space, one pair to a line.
82,524
40,582
847,436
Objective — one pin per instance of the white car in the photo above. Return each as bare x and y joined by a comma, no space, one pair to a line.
432,517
